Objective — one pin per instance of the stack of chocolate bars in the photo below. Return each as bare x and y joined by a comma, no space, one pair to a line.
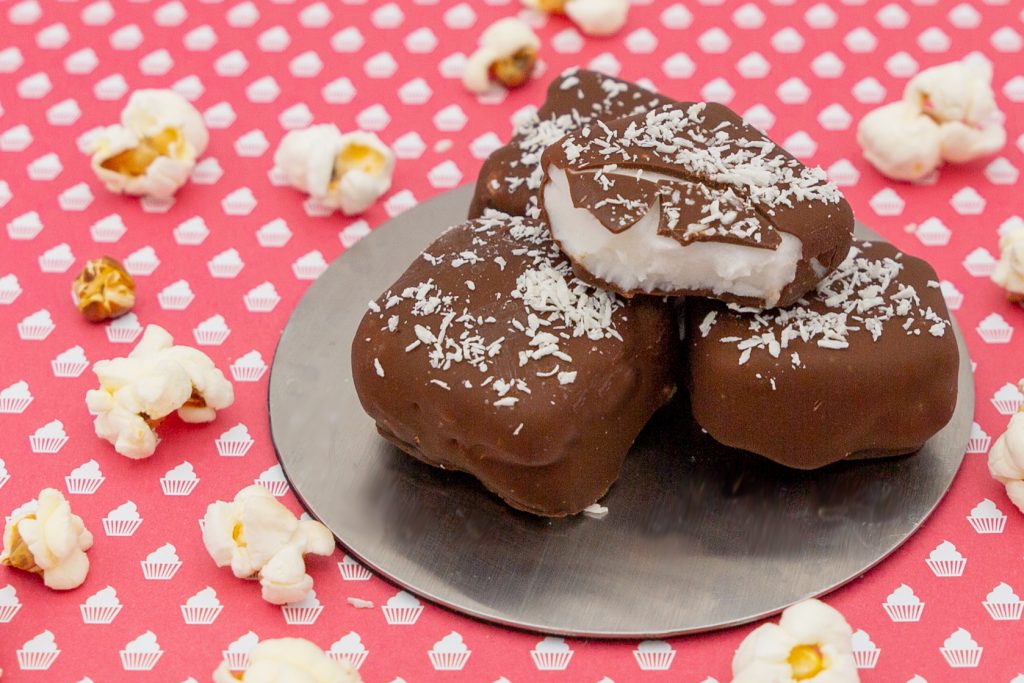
620,248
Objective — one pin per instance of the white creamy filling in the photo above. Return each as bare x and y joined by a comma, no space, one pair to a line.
638,258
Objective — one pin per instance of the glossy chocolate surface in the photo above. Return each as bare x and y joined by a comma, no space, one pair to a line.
714,177
864,366
511,175
489,357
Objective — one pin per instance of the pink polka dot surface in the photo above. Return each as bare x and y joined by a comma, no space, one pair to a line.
222,264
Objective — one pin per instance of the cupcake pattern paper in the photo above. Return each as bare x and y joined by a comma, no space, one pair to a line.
223,262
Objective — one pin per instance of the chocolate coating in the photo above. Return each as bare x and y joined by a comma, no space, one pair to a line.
511,175
542,421
725,162
877,396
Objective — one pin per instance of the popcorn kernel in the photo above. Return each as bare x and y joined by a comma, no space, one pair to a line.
136,160
805,661
20,557
104,290
551,6
357,157
514,70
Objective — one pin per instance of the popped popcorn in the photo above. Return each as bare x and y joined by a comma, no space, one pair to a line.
598,17
344,171
812,642
958,91
947,114
104,290
46,538
156,379
154,148
1009,272
289,660
1006,460
507,52
900,142
258,537
593,17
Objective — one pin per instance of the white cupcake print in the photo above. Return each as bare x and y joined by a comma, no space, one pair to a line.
401,608
654,655
176,296
85,479
986,518
274,480
961,651
15,398
10,289
235,442
449,653
946,560
1003,604
191,232
226,265
39,653
1008,399
241,202
9,604
865,652
142,653
16,139
123,520
262,298
351,570
207,172
45,168
995,330
237,653
75,198
980,441
26,226
202,608
101,607
309,266
551,654
305,612
108,229
349,646
70,363
161,564
274,234
296,116
354,232
249,368
212,331
902,605
124,330
220,115
179,481
142,262
49,438
37,326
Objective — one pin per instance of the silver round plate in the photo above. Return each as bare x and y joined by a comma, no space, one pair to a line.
696,538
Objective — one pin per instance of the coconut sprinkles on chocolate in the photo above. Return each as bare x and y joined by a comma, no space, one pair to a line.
866,364
512,174
688,199
488,356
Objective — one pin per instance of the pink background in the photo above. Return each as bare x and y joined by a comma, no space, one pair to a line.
863,38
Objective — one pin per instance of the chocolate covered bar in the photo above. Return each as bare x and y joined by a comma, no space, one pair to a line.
690,200
488,356
865,364
511,175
